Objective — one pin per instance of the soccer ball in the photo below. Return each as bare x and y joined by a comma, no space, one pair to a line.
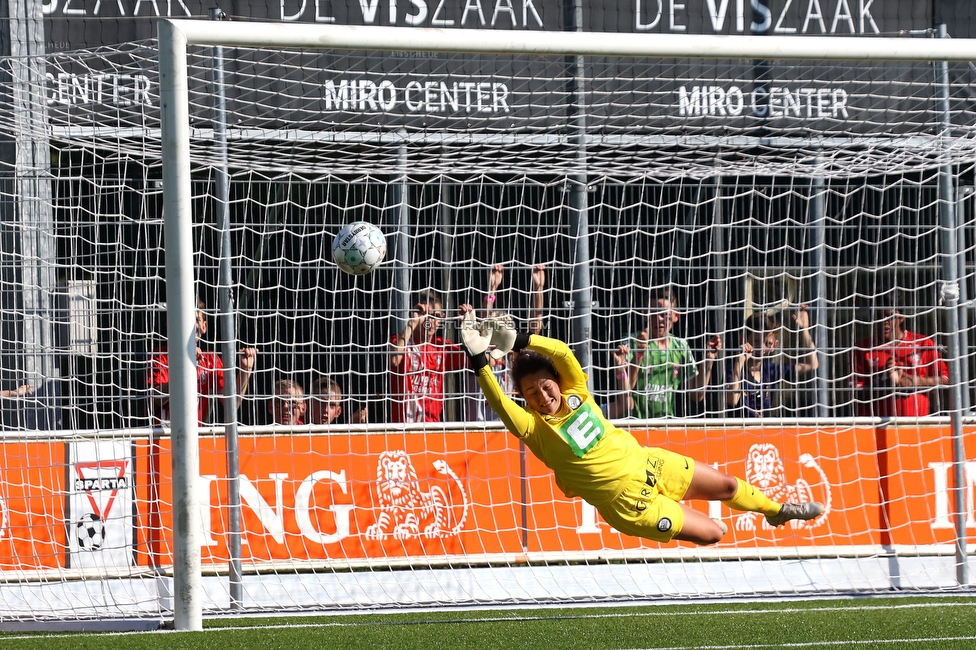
90,532
359,247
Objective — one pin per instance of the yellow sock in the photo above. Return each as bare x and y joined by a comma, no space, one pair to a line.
751,499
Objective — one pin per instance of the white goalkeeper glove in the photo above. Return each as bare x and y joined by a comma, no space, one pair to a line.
503,333
475,337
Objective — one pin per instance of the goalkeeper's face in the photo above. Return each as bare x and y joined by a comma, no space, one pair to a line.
541,392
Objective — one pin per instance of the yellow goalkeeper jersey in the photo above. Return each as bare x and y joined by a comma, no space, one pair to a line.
590,457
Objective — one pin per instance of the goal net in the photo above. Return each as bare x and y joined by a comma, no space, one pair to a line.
820,199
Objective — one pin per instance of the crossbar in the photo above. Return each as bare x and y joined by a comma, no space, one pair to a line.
698,46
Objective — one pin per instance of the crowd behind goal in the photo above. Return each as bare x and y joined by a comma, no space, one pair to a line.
894,371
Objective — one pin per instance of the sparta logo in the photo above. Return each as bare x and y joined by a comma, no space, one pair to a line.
574,402
664,525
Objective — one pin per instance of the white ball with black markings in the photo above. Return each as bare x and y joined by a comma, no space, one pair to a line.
90,532
359,247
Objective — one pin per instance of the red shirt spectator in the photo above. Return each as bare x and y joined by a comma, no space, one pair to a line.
895,369
418,382
210,376
210,382
420,359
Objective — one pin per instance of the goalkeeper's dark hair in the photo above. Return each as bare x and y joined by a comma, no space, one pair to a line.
529,362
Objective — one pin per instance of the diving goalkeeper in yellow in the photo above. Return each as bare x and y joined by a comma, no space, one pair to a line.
636,489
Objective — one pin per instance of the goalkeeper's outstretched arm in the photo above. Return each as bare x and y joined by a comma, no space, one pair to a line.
568,368
515,418
476,338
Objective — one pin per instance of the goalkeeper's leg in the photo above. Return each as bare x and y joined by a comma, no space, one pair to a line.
712,485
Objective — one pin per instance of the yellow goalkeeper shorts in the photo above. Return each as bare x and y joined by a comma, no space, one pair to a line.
648,507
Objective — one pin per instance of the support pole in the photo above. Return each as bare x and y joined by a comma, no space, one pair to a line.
817,218
182,344
719,269
398,203
964,304
454,384
578,181
718,305
950,296
228,352
29,285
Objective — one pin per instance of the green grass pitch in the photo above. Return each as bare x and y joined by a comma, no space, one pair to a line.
933,623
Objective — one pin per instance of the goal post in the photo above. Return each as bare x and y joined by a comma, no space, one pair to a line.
176,35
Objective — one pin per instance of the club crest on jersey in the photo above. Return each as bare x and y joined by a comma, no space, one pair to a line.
582,429
574,402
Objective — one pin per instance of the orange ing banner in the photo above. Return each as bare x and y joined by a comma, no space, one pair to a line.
355,497
397,495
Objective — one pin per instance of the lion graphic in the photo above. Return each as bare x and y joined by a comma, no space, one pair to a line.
765,470
406,511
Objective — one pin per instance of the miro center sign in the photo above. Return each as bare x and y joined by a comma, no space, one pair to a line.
393,89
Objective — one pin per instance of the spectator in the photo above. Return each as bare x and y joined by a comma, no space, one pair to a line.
537,299
13,414
662,364
420,358
325,403
621,405
754,386
210,376
476,408
29,406
287,405
21,391
895,369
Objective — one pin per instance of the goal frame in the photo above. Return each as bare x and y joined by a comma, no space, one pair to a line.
176,35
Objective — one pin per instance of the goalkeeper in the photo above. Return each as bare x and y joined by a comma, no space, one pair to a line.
636,489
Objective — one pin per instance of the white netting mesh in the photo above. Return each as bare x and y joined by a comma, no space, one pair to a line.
746,186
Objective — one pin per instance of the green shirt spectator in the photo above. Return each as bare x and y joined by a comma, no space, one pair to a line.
660,364
659,374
